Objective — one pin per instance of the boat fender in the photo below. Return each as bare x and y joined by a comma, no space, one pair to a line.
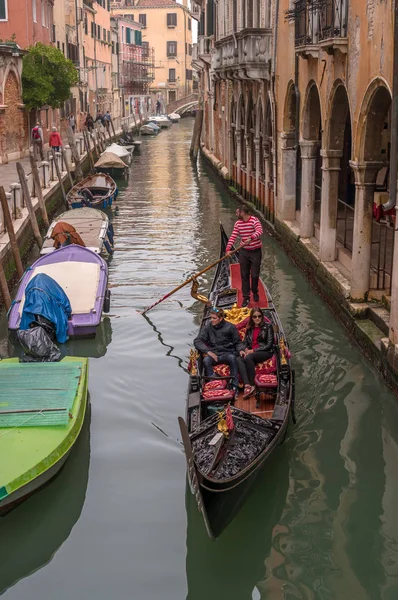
110,234
107,301
108,247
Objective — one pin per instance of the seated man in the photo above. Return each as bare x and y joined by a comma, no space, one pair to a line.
221,343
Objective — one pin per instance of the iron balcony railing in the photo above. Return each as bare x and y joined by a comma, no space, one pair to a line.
318,20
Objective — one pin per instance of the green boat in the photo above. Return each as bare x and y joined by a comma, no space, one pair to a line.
42,409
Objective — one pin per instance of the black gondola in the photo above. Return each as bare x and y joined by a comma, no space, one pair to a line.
227,442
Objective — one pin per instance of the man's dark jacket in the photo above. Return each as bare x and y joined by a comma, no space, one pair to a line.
223,337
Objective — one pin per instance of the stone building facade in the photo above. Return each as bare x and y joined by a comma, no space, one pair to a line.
297,97
167,28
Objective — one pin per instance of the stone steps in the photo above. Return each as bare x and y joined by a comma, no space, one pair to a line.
380,316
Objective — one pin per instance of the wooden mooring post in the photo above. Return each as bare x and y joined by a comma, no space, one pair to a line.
5,292
59,175
29,205
197,131
88,149
113,129
11,233
75,154
67,166
38,190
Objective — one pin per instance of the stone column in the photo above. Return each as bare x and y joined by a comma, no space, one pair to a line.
257,151
331,160
267,172
288,196
365,183
238,156
394,290
309,151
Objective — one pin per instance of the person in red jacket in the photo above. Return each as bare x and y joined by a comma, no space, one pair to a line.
55,140
248,228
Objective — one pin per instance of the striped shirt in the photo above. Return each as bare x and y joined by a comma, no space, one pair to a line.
247,229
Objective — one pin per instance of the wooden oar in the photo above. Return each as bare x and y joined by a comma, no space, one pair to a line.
191,279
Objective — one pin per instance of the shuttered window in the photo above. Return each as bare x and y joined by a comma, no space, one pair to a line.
3,10
171,19
172,74
171,48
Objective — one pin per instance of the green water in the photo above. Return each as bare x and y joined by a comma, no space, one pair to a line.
119,523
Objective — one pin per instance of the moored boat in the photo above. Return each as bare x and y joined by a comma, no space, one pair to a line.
123,152
160,120
112,165
96,191
149,129
83,277
174,117
42,411
228,441
91,224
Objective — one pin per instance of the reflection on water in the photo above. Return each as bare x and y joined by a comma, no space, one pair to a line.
321,523
33,532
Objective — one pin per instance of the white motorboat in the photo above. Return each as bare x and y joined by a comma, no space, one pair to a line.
160,120
174,117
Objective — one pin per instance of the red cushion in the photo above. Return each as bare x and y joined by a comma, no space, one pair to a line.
221,384
222,370
223,395
268,366
266,380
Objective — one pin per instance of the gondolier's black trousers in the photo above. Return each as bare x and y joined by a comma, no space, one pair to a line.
250,262
247,366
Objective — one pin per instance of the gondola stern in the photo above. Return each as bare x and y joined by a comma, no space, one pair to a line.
193,477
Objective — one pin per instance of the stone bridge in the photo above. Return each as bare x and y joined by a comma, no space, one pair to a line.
183,104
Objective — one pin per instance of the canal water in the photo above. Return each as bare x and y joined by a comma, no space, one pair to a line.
119,521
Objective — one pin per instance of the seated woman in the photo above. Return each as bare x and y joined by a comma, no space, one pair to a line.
259,346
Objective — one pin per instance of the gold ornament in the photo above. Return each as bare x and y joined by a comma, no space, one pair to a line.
236,315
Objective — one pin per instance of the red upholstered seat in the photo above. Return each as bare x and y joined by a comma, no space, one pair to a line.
266,380
268,366
215,384
222,370
224,395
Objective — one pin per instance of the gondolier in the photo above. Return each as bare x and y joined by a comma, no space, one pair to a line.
249,229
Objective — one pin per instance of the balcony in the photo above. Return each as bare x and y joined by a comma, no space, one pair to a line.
320,24
246,55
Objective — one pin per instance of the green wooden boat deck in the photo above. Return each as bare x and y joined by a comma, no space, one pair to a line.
27,451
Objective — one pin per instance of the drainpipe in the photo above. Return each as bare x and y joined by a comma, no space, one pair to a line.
394,120
273,101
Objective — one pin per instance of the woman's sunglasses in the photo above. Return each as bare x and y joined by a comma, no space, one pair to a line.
257,316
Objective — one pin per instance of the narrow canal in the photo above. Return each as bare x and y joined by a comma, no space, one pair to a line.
118,523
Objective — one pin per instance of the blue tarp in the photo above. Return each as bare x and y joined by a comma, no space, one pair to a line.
43,296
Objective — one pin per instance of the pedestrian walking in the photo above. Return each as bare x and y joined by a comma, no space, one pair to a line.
72,122
55,141
249,229
158,107
37,140
107,119
89,122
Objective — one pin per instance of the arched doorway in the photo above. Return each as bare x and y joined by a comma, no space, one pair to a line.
291,158
372,241
311,165
13,116
338,198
